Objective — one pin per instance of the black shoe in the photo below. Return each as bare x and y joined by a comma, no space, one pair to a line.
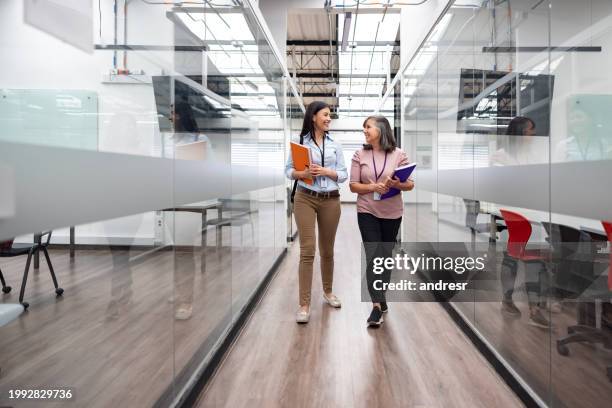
509,307
375,318
537,319
383,307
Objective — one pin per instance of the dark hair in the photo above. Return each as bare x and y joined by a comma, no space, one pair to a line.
518,125
312,109
387,140
186,121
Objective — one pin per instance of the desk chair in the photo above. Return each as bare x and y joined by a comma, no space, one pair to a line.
5,288
5,245
519,232
608,228
575,273
12,250
472,209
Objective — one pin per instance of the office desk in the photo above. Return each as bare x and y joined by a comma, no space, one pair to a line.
202,208
71,246
597,234
536,217
493,210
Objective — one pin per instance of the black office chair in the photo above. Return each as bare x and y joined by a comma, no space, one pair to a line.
9,250
574,272
5,245
472,209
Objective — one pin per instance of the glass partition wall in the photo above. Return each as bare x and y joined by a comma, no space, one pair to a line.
505,108
150,141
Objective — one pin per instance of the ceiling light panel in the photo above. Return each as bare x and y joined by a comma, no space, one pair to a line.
210,26
358,86
366,27
361,63
368,103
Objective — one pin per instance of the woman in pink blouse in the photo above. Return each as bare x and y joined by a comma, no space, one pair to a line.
379,220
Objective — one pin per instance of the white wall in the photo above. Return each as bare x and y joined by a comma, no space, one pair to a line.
33,59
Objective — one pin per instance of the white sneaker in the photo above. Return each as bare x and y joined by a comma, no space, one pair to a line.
184,312
332,300
302,316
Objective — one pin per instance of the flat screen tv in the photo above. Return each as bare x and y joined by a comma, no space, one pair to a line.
192,110
488,100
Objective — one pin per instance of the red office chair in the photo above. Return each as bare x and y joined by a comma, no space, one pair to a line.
519,231
608,228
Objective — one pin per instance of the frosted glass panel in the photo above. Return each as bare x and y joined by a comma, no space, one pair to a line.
66,118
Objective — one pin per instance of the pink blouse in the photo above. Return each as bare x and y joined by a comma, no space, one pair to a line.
362,171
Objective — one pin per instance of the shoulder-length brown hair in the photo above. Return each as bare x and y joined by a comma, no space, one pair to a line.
387,140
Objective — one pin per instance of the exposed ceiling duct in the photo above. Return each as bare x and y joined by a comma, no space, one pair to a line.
339,58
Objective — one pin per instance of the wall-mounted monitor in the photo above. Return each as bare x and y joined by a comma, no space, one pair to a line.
488,100
191,110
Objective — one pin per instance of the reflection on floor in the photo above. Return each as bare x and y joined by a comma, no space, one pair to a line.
417,358
578,380
112,337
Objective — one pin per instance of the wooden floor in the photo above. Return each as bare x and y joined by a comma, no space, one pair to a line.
578,380
418,358
112,337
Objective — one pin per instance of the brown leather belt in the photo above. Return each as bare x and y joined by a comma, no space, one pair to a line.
328,194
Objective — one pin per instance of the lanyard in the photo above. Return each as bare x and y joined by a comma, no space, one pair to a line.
314,139
383,169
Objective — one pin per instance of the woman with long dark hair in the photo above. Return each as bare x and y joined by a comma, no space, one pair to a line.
379,220
516,147
317,203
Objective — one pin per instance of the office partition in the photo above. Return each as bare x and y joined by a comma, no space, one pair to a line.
483,65
162,142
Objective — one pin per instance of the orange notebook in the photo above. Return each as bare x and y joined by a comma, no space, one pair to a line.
301,158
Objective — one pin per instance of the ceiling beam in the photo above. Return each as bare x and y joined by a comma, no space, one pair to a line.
326,52
333,95
325,43
348,17
327,75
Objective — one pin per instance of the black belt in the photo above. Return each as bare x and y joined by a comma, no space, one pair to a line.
328,194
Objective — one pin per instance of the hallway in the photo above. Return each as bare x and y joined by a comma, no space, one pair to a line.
418,358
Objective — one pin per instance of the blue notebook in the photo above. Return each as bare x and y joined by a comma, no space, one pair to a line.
402,173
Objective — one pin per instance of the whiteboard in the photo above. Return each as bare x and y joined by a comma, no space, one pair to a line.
49,117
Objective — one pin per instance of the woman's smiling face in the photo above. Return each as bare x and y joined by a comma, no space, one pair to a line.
371,132
322,119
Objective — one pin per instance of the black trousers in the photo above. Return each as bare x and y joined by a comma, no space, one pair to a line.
379,236
537,282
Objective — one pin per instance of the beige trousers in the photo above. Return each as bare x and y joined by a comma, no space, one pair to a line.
326,213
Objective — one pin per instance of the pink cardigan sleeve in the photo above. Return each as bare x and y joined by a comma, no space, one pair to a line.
356,168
